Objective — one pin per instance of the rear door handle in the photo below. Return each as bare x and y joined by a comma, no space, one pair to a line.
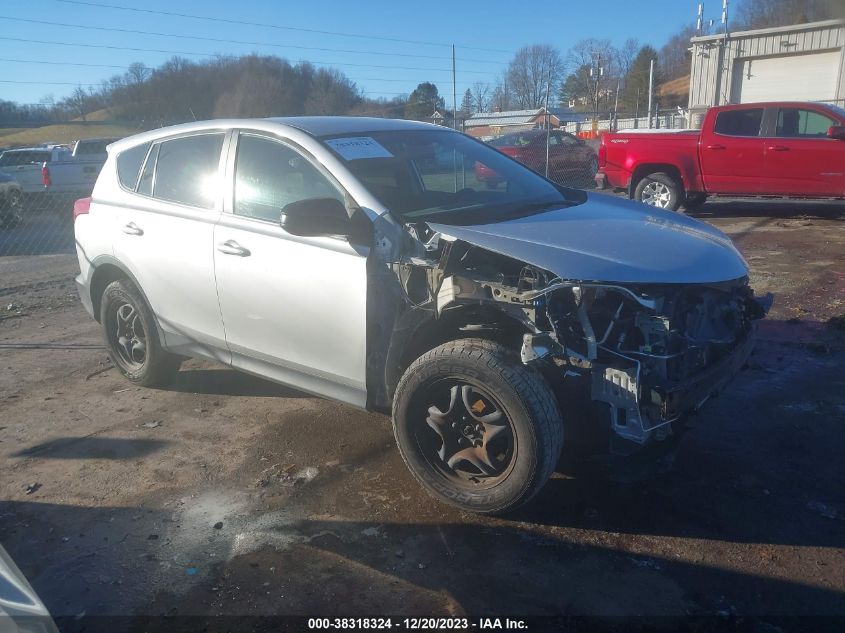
716,147
231,247
777,148
132,229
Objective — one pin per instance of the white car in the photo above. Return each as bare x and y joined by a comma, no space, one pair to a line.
361,260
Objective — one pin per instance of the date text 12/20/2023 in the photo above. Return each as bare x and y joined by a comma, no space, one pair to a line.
414,624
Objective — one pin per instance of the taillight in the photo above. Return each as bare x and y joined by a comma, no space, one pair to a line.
45,176
602,154
81,207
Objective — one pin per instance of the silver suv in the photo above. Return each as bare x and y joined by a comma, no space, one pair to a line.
363,260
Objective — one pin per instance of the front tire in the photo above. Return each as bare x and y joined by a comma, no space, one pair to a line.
476,427
132,337
659,190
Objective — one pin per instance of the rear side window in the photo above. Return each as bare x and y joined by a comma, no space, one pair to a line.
91,147
14,159
739,122
129,164
186,170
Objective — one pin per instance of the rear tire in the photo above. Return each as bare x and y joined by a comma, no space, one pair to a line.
132,337
12,216
475,397
661,190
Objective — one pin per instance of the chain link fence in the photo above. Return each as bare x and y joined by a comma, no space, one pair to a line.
35,224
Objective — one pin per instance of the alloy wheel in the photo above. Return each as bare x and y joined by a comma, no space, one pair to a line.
657,194
129,336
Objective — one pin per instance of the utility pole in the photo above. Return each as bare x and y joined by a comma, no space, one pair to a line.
650,91
616,107
546,108
597,71
454,92
637,109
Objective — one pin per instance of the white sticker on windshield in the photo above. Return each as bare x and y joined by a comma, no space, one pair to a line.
358,147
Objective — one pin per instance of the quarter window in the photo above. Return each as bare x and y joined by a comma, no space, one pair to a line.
129,164
186,171
797,123
270,175
739,122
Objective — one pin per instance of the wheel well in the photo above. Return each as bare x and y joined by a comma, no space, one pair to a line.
459,322
103,276
642,171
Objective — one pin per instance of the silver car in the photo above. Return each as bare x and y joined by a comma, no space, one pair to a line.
361,260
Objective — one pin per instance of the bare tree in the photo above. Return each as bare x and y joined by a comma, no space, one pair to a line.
531,71
137,73
593,65
765,13
502,97
674,56
480,96
78,100
626,54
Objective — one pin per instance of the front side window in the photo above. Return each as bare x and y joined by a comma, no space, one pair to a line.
270,175
739,122
566,139
444,176
798,123
186,171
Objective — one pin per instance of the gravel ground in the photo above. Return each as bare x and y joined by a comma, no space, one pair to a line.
226,494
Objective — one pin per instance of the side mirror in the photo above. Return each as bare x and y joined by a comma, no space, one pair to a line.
837,132
315,217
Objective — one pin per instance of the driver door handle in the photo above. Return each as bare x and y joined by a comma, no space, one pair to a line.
777,148
231,247
716,147
132,229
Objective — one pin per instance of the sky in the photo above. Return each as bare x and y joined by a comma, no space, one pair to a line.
386,47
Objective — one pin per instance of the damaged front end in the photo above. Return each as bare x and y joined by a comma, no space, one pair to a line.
647,354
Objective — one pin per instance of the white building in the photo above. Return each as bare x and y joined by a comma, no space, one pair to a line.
804,62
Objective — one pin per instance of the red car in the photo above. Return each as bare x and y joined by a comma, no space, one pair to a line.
571,161
790,149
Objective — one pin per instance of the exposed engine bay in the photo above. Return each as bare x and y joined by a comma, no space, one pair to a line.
649,353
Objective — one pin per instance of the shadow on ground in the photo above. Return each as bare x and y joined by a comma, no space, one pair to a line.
92,448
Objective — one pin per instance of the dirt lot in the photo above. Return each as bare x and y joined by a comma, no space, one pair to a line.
225,494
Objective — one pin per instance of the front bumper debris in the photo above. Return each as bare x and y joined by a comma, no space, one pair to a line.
639,418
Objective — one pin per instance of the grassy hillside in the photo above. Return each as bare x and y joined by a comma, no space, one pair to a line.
675,91
62,133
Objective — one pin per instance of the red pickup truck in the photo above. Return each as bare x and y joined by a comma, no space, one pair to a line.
754,149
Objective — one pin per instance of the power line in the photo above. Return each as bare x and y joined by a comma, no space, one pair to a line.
248,43
272,26
172,52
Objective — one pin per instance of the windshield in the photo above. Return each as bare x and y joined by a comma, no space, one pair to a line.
839,110
446,177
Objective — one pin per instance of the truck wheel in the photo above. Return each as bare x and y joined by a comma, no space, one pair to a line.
694,201
132,336
477,428
659,190
13,214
